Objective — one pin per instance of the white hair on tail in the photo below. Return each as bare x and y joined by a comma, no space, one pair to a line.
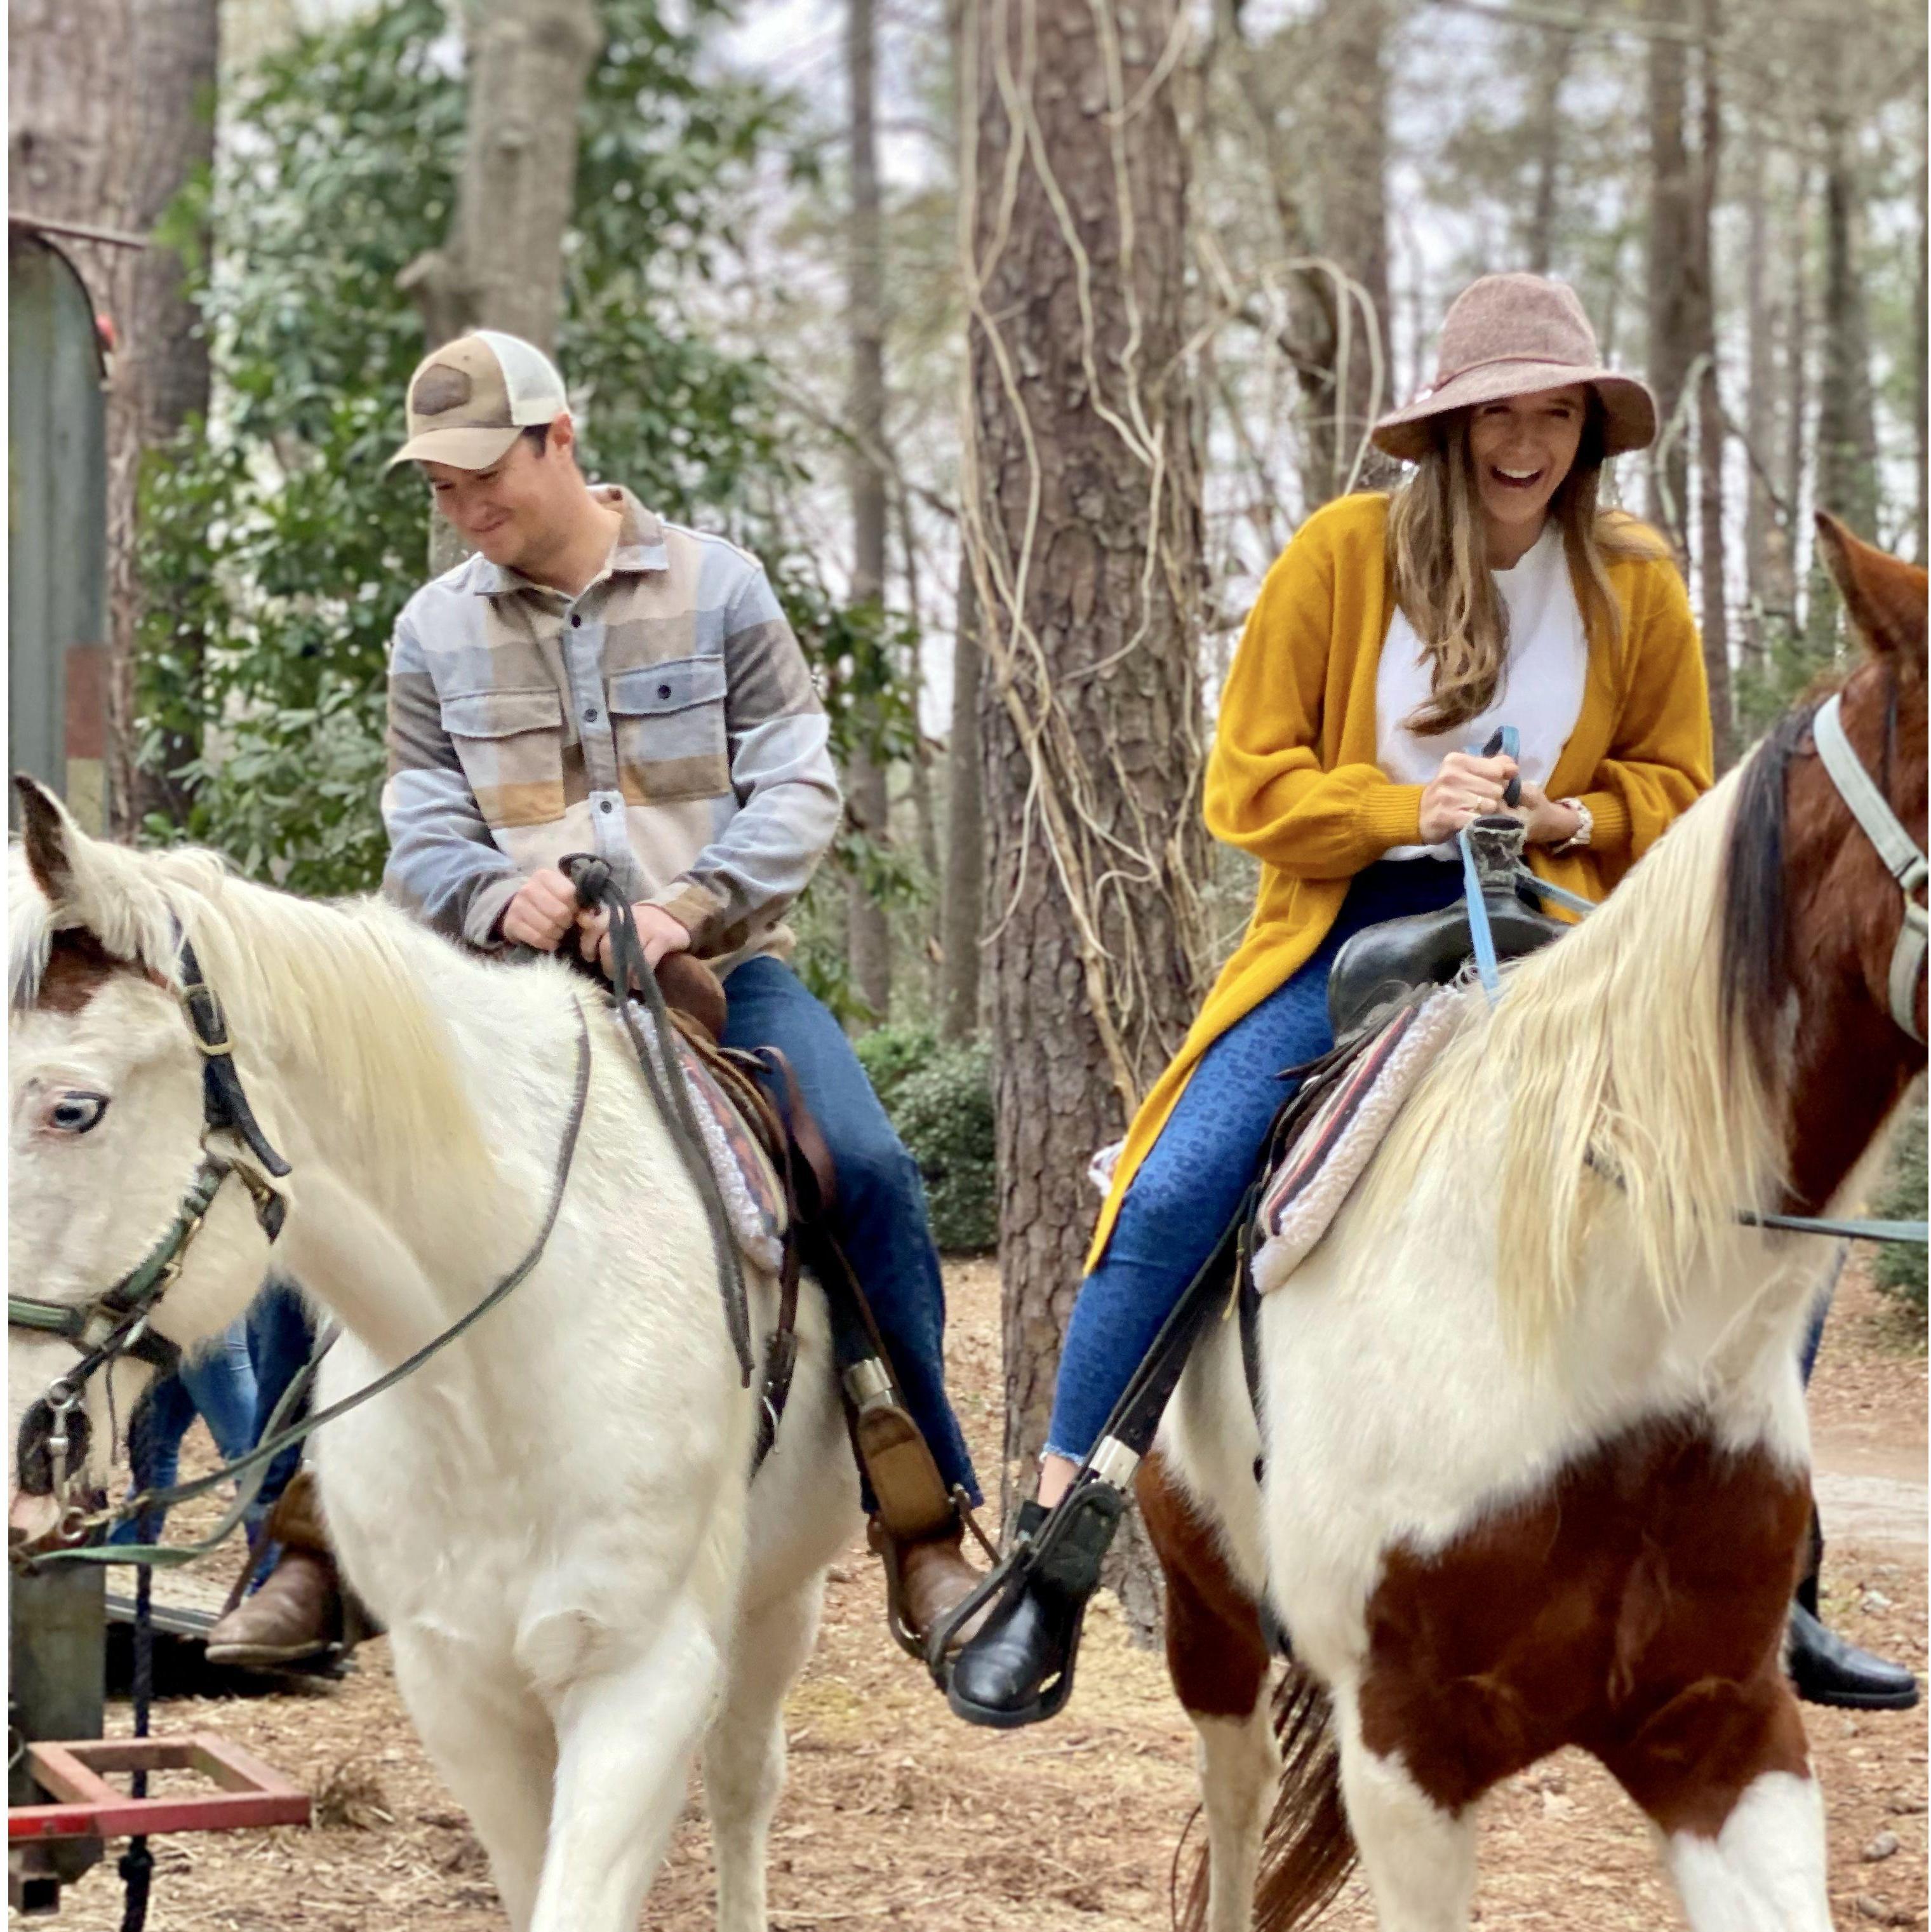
331,985
1627,1113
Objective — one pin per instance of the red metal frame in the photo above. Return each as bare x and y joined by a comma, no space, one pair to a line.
249,1793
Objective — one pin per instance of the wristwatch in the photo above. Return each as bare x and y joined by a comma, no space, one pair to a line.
1585,824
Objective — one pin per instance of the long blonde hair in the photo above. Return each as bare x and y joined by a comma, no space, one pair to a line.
1438,560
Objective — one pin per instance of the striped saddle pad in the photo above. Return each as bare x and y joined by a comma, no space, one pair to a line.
1333,1146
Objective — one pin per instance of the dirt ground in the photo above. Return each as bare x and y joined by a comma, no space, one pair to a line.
897,1816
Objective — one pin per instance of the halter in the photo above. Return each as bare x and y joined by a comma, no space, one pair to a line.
1902,858
118,1320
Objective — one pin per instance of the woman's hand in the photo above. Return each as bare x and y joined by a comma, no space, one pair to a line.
1549,820
1465,788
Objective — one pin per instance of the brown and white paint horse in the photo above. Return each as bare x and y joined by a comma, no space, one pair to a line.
1536,1463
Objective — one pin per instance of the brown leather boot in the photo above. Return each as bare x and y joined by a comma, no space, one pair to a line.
924,1581
295,1614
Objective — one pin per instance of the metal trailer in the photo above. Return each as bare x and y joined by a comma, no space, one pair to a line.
60,1807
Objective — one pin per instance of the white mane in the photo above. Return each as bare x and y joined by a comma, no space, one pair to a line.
1608,1057
346,987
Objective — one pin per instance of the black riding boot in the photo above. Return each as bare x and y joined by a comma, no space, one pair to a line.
1019,1669
1826,1669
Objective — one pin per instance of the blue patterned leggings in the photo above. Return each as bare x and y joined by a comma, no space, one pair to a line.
1181,1200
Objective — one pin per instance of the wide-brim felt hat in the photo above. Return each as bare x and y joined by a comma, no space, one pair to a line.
1513,335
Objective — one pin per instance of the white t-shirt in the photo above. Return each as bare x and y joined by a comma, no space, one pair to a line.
1539,692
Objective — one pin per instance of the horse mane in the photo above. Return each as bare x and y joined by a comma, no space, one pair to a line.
342,986
1615,1064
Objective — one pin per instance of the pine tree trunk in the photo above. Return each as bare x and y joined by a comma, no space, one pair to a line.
1711,438
1080,464
502,266
961,918
1759,407
1351,150
1555,51
175,53
1672,321
1847,479
1921,379
871,932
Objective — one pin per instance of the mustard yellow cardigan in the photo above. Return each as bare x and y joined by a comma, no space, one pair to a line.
1292,777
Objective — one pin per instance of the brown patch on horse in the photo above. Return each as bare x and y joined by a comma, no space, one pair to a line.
1852,1061
1635,1606
78,966
1217,1657
1216,1654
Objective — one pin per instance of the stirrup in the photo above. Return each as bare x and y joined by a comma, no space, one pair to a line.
1064,1546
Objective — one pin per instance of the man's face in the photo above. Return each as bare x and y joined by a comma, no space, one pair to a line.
510,511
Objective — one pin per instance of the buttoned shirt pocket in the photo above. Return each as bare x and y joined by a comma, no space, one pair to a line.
669,720
511,743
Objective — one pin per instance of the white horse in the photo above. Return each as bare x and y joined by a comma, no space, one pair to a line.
554,1517
1536,1462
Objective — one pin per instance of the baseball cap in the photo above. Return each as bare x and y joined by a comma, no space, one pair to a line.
471,399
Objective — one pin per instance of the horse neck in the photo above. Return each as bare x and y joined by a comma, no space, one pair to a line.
397,1225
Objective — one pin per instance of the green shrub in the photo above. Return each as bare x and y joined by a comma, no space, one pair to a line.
889,1053
940,1098
1899,1268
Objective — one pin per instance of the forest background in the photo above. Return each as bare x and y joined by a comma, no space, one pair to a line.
1016,337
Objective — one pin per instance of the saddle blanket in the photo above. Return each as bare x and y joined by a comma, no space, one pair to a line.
1333,1148
753,1199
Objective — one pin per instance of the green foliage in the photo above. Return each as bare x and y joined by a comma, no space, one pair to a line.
1899,1269
275,551
940,1098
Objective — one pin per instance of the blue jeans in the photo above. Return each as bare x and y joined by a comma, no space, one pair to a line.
1179,1204
219,1385
281,1337
880,1218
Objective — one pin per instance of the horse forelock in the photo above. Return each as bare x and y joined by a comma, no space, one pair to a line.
1587,1093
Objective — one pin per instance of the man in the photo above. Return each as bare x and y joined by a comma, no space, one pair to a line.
596,679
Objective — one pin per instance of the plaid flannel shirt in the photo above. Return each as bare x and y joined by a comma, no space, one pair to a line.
664,719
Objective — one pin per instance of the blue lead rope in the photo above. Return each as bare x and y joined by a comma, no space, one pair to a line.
1478,921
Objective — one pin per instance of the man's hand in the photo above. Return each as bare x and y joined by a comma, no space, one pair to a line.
544,910
657,931
1465,788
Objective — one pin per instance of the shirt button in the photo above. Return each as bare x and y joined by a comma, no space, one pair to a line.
590,716
575,620
663,691
606,806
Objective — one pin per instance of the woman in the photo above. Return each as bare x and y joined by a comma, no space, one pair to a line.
1493,587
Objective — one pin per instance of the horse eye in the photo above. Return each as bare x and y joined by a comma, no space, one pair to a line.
75,1113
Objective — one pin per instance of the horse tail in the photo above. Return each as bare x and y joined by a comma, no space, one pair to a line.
1307,1850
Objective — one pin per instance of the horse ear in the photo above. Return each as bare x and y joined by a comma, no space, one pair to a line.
47,836
1884,596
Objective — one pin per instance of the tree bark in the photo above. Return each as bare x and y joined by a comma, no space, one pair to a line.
1759,407
1555,52
502,266
1847,480
871,931
1351,148
1711,436
111,115
1080,475
1920,381
960,920
1672,321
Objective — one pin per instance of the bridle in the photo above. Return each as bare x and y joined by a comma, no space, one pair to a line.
119,1322
1903,858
